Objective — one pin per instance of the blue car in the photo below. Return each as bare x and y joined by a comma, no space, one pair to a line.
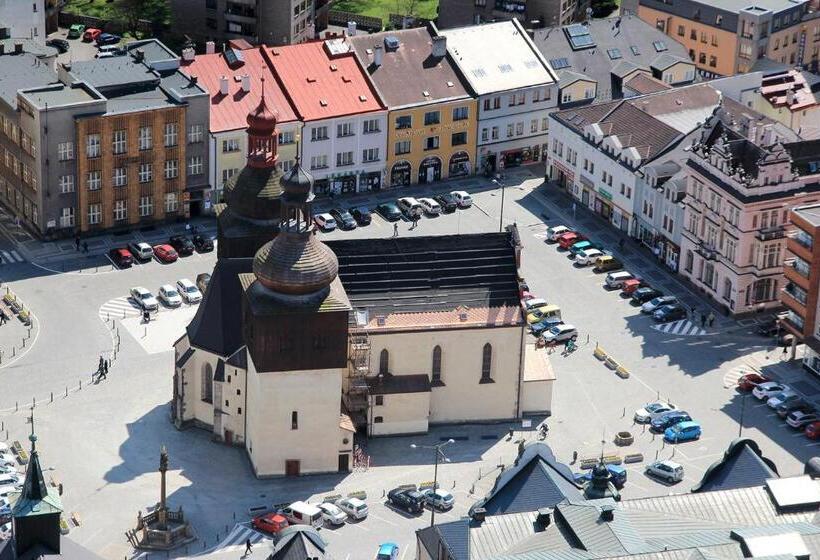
583,245
685,431
668,419
544,325
388,551
617,473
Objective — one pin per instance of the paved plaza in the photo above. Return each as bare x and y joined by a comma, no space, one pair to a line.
101,439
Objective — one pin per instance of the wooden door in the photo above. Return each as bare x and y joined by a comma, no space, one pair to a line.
344,462
291,467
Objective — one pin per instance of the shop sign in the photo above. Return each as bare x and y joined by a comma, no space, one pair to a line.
603,193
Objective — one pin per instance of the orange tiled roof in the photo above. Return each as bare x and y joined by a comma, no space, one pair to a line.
459,317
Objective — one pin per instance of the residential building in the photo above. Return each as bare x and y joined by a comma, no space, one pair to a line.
515,88
790,96
273,22
726,38
431,126
661,189
25,19
236,80
605,59
106,143
298,340
539,13
742,181
597,152
344,120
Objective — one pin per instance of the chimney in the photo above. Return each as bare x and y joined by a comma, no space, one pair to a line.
544,518
789,92
139,55
246,83
188,54
378,53
18,48
607,513
351,28
194,79
223,85
439,46
210,47
479,515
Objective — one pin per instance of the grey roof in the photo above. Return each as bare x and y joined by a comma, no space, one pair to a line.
36,48
299,542
626,67
57,95
666,60
811,214
153,50
239,359
22,71
595,62
117,72
742,466
567,77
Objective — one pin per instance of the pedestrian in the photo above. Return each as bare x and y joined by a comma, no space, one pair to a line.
77,243
694,311
100,365
395,229
574,456
702,320
785,351
711,319
105,367
248,547
85,246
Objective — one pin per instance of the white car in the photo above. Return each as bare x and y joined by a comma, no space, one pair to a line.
5,468
654,304
325,221
170,296
4,448
431,207
587,256
439,498
652,410
559,333
782,397
141,251
189,291
669,471
332,514
801,418
555,231
765,390
144,299
11,479
462,199
353,507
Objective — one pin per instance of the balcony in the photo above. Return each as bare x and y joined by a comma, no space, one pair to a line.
768,234
510,7
707,251
797,294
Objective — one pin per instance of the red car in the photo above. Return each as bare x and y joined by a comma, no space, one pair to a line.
812,431
91,34
749,381
121,257
270,522
631,285
165,253
567,240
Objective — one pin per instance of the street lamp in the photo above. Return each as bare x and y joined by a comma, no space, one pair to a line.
438,453
502,186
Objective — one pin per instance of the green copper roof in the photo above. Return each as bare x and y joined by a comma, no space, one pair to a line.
35,498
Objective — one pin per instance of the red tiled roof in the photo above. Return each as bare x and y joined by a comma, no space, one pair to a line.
459,317
321,86
644,83
228,112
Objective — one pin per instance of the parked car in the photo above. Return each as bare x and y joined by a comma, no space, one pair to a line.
202,281
769,388
669,471
801,419
108,39
617,474
770,327
331,514
410,207
387,551
607,263
165,253
463,199
786,408
344,219
538,314
560,333
812,431
654,304
353,507
430,206
447,202
642,295
107,51
439,499
673,312
782,397
170,296
121,257
361,214
544,325
576,248
651,410
302,513
61,45
555,232
141,251
685,431
749,381
189,291
325,222
270,523
76,31
91,34
667,420
389,211
182,244
588,256
567,240
615,280
408,499
144,299
203,243
631,285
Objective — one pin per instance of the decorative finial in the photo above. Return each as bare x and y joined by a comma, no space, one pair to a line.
33,437
263,87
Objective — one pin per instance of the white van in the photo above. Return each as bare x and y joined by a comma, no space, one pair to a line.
615,280
302,513
410,207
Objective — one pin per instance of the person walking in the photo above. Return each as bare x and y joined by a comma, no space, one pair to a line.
248,547
785,353
694,311
85,246
105,367
100,365
702,320
77,243
395,229
710,320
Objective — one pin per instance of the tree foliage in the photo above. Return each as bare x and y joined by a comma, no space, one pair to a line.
603,8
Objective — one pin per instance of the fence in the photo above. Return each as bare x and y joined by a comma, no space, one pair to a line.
399,21
365,23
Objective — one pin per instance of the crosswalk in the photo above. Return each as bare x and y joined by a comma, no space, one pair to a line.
119,308
237,538
730,377
11,257
684,327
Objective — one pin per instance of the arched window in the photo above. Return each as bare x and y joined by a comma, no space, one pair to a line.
384,359
436,377
486,363
207,383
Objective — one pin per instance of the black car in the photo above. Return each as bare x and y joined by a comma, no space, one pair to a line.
642,295
448,202
389,211
361,214
668,419
203,244
182,244
786,408
769,328
670,313
408,499
60,44
344,219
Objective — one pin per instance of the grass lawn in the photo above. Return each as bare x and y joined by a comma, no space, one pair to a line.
93,8
382,8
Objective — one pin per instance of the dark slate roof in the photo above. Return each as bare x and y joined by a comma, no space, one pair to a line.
219,372
396,384
299,542
742,466
185,357
239,359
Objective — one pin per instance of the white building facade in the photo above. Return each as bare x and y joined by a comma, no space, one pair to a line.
23,19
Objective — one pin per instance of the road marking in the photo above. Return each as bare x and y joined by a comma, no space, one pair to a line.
683,327
119,307
17,256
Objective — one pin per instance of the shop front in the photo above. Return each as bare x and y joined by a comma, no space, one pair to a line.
400,173
321,186
521,156
603,204
343,185
587,187
430,169
562,175
459,165
371,181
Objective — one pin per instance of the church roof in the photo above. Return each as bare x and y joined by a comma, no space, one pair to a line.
742,466
298,542
35,498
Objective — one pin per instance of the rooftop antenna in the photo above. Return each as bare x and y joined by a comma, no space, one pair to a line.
32,438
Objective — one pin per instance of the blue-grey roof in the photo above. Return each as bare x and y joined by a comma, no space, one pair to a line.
117,72
457,537
22,71
742,466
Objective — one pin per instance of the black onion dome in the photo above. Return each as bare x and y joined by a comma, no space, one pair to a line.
254,192
298,181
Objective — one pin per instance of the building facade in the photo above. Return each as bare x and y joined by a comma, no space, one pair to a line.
24,19
661,188
540,13
789,96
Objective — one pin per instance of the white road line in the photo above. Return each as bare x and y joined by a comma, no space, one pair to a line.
17,256
7,256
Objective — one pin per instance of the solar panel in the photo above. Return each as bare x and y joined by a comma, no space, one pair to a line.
581,42
614,54
234,57
660,46
558,63
577,30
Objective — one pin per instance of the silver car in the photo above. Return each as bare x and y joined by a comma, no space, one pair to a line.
144,299
669,471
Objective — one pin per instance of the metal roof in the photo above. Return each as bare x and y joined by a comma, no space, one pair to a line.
742,466
22,71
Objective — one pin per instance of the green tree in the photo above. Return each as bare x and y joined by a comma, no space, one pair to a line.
603,8
130,12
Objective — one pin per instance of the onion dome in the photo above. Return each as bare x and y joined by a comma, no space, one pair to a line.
262,120
254,192
298,183
295,264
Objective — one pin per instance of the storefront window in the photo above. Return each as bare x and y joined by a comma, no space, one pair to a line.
459,164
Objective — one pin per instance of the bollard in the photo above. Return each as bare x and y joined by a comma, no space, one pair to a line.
383,493
472,489
454,484
656,455
123,313
52,396
13,351
66,390
81,384
24,343
623,415
234,516
673,452
33,402
587,338
16,408
479,473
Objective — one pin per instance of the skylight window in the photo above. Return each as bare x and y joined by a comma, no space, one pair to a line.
635,50
660,46
505,68
578,36
614,54
559,63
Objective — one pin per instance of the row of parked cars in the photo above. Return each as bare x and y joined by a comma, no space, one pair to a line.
170,296
414,500
785,401
10,481
332,514
406,207
665,418
177,246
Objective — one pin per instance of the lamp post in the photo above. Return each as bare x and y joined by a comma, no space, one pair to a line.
742,413
437,450
501,218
